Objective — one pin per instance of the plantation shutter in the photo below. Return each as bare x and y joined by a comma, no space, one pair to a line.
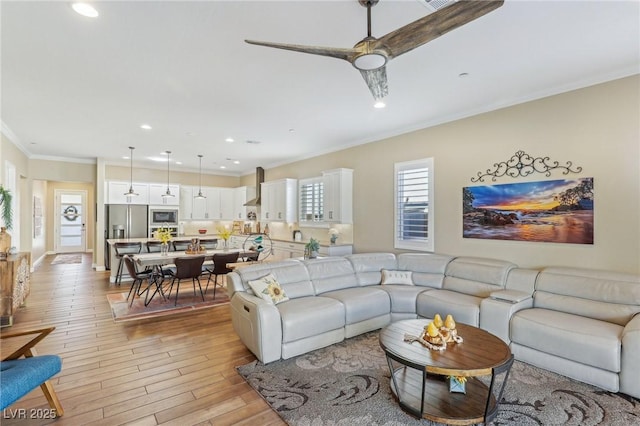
413,204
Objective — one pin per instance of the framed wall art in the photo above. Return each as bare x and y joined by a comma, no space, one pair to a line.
556,211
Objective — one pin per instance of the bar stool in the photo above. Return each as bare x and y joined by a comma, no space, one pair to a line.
123,249
181,245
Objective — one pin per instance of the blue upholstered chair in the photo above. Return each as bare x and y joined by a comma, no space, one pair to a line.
19,376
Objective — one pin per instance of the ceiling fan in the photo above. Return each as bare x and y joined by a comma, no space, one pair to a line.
370,55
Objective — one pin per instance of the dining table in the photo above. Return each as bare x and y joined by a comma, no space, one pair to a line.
157,260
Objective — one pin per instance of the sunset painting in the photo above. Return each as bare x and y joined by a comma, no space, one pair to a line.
558,211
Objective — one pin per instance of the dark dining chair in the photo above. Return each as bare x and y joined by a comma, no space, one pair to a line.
187,268
220,261
252,256
154,247
138,278
123,249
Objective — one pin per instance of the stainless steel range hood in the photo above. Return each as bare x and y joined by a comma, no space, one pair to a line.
259,180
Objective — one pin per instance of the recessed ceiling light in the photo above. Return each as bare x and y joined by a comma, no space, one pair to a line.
223,167
229,140
145,127
379,104
126,157
178,162
85,9
236,162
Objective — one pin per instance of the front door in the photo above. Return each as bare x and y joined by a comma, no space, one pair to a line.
70,221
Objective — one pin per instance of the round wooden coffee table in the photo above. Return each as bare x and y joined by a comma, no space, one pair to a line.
418,374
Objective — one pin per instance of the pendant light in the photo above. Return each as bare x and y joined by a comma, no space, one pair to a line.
168,193
200,196
131,192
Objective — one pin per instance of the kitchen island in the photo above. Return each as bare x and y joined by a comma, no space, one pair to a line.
281,249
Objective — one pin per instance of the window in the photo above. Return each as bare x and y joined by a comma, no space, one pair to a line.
414,205
311,200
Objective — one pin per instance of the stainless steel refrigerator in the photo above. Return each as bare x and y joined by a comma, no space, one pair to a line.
124,221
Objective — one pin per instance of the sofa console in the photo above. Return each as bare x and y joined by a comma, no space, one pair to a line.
581,323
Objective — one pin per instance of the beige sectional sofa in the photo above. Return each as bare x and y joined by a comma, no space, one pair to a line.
581,323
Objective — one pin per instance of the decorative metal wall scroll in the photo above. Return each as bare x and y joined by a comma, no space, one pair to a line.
522,164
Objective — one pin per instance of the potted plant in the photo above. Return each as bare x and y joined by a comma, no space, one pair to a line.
5,207
312,247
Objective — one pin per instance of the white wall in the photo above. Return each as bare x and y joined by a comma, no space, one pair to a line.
597,128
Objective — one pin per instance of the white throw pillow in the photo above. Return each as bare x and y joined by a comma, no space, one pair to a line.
397,277
268,289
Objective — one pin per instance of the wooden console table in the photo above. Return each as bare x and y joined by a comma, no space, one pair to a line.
15,285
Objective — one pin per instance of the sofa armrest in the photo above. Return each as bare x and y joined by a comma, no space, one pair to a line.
258,324
510,296
630,360
496,313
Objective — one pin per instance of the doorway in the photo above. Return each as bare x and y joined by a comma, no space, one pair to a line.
70,219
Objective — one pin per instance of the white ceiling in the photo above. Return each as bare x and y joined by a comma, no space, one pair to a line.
79,88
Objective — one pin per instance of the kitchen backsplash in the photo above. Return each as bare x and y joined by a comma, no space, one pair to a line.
277,230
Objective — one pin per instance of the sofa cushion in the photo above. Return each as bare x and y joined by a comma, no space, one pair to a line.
603,295
463,307
290,274
396,277
331,273
361,303
367,266
403,297
428,269
309,316
269,289
584,340
476,276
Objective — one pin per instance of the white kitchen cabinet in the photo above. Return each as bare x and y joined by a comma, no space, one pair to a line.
116,191
156,191
241,195
280,201
186,202
338,195
336,250
227,204
286,250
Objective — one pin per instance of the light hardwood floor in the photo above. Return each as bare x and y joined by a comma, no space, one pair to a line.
174,371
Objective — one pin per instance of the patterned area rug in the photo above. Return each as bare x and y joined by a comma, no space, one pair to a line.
349,384
67,258
159,306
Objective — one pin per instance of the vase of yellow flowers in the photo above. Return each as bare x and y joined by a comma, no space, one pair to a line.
164,235
225,234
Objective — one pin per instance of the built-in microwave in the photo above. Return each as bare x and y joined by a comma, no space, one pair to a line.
162,216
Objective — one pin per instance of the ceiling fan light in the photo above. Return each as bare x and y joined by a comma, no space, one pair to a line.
369,61
85,9
379,104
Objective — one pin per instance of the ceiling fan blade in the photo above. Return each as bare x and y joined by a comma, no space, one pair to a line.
436,24
377,82
334,52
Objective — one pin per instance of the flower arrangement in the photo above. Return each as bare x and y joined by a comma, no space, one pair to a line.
224,232
164,235
457,384
333,235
